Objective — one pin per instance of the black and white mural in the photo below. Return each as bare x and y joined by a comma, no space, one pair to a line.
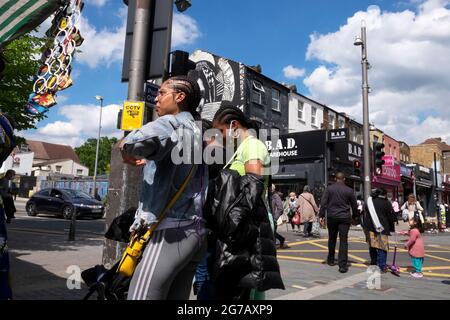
221,82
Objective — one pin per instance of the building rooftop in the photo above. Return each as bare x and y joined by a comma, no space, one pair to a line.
438,141
50,151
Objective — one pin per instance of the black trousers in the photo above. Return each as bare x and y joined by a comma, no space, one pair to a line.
279,236
341,226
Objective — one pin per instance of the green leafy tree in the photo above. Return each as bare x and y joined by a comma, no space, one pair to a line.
86,153
16,84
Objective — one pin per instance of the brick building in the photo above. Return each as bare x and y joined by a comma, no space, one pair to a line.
424,154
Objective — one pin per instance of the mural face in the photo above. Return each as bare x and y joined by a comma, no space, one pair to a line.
221,82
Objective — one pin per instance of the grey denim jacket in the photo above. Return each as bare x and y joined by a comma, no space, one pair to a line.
156,142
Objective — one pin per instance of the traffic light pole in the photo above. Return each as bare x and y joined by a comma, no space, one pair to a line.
365,96
125,180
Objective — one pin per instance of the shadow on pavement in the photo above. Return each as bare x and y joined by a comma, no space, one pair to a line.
31,281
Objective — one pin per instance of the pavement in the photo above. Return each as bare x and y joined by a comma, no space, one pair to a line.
46,266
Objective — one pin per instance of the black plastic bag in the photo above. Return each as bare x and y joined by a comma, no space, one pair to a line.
119,230
108,284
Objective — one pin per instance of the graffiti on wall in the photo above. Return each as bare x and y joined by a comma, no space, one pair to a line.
221,82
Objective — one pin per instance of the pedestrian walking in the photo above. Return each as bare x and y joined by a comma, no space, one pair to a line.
410,207
166,269
246,264
277,211
7,196
292,206
308,210
339,205
378,225
395,209
415,245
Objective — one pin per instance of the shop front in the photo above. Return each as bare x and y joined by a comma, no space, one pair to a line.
344,155
424,189
446,189
312,158
301,158
407,183
389,179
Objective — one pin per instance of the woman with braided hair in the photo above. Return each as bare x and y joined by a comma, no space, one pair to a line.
238,211
169,260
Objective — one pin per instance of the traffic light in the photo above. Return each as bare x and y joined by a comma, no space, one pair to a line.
180,63
378,155
357,168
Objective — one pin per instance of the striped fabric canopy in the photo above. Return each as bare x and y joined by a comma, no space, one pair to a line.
18,17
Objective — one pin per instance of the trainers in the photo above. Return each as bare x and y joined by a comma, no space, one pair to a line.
284,246
416,275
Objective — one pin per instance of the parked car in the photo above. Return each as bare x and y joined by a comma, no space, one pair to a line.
63,202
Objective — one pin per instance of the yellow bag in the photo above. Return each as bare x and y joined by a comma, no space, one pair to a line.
135,248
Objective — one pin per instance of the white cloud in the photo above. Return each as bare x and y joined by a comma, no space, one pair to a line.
82,123
106,46
185,30
103,47
409,54
292,72
97,3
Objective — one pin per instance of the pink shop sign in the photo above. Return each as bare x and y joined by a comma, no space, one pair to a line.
391,173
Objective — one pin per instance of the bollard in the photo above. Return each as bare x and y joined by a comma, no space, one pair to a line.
73,222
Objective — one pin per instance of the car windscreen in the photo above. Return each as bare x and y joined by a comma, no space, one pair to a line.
78,194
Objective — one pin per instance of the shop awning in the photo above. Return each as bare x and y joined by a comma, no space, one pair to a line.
18,17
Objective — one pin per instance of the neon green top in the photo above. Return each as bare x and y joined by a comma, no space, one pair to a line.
253,149
250,149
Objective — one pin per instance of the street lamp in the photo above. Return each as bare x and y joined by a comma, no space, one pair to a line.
98,142
362,41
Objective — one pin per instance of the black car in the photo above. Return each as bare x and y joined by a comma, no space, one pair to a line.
63,202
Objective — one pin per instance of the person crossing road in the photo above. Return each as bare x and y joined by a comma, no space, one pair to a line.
336,203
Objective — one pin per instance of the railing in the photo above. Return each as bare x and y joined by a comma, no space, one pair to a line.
86,186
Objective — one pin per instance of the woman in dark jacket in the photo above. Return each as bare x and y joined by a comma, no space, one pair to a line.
237,211
377,232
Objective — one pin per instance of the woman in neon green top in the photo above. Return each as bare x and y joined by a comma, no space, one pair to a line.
251,155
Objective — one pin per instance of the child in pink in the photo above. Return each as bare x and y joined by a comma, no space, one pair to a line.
416,246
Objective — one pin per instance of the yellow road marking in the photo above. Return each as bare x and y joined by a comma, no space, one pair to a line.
360,265
355,251
350,255
298,287
299,258
438,258
436,268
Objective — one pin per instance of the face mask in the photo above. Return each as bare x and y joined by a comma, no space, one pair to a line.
230,130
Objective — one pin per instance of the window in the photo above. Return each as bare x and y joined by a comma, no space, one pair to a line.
58,169
331,121
79,172
375,138
275,100
314,116
341,124
257,92
300,108
44,193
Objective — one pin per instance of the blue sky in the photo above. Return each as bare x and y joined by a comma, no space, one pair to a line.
314,38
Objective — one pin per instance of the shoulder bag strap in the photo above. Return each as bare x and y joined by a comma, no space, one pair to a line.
308,202
170,204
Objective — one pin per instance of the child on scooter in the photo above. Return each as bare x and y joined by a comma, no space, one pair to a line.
415,245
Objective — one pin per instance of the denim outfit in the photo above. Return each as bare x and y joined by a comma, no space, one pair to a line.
178,244
378,257
157,141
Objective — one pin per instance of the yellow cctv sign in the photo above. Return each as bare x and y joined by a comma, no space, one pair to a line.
132,115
